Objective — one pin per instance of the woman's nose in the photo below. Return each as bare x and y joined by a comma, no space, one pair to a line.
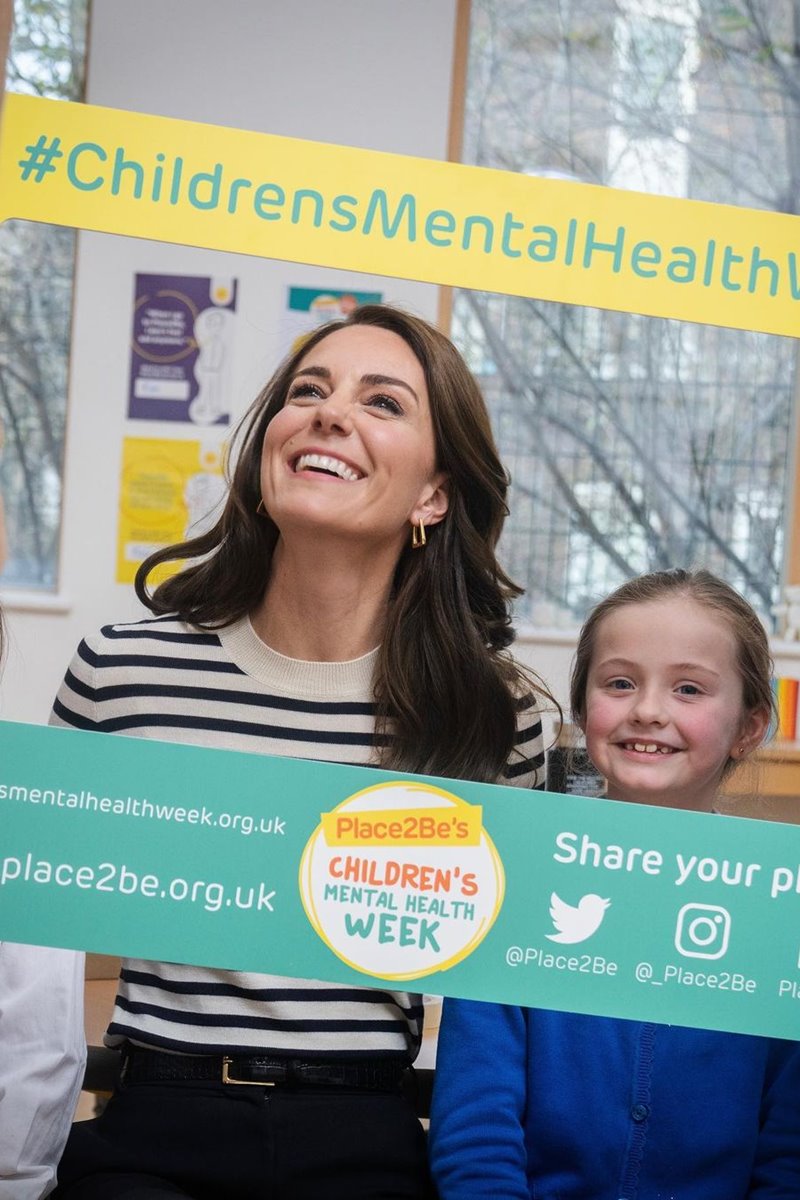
334,414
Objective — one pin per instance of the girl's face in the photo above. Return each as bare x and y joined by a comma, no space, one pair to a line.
352,451
664,710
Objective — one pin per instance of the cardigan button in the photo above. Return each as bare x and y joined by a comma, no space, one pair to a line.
640,1112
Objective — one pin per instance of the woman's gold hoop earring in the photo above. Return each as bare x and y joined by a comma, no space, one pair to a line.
418,537
260,510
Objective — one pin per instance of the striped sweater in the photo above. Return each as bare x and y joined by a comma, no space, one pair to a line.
165,679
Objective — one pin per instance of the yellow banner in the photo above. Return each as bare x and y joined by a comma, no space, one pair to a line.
404,827
387,214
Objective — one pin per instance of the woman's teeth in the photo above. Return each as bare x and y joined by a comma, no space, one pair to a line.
324,462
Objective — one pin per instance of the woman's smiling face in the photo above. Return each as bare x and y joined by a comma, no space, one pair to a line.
352,451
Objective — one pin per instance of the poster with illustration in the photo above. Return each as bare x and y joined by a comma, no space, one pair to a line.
307,308
170,490
181,348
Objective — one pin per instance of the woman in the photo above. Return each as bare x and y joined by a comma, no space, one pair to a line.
347,606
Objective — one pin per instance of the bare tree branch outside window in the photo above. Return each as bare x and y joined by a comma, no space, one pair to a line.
46,58
636,443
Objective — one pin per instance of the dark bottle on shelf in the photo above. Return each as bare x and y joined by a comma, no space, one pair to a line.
569,768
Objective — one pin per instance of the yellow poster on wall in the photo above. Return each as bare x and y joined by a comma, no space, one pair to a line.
170,490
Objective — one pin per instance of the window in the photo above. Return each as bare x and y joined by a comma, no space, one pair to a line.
635,443
46,58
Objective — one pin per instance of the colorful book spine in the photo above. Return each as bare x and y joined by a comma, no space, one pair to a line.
786,696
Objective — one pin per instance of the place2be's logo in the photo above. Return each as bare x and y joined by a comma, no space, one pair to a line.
401,879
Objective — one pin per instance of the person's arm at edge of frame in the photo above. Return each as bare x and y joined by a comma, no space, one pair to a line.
776,1171
477,1139
42,1060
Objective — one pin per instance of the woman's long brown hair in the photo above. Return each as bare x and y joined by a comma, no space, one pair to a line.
447,694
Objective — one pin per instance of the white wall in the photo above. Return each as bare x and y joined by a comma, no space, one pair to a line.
370,73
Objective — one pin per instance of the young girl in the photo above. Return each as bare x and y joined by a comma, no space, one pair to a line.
671,686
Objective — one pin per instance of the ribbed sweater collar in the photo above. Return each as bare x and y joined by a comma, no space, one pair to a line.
315,680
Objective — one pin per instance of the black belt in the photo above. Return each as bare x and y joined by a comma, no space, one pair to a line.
259,1070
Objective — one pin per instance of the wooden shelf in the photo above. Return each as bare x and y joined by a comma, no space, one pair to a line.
778,767
768,786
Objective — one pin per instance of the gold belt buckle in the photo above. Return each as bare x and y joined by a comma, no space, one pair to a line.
227,1078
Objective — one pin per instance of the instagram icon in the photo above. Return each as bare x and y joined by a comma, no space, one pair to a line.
703,931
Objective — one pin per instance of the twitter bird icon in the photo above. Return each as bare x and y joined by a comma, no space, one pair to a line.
576,924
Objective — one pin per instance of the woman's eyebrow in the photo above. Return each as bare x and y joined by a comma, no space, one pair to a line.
384,380
319,372
370,380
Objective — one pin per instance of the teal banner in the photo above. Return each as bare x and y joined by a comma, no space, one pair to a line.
351,875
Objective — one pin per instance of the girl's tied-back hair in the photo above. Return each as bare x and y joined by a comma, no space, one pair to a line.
447,695
752,647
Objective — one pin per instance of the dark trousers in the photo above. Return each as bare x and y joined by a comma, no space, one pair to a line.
209,1141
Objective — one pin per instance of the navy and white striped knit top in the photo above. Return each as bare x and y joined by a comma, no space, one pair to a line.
164,679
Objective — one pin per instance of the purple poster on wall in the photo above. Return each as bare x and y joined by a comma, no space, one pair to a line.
181,349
